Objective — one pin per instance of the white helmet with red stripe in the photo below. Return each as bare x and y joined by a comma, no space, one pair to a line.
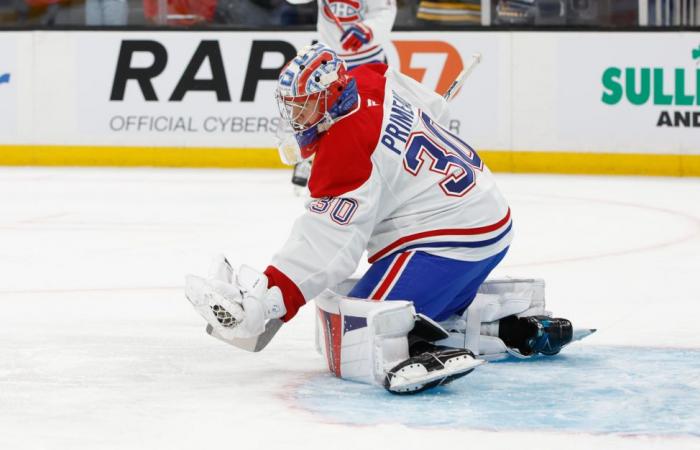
313,90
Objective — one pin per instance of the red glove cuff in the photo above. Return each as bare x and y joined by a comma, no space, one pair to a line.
292,296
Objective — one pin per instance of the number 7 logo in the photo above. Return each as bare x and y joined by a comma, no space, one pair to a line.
433,63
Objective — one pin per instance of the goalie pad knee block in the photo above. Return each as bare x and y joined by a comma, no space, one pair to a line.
495,300
362,339
522,297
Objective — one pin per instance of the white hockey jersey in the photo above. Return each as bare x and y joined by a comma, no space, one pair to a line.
378,15
388,178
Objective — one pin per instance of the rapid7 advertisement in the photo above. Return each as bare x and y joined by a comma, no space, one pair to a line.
192,89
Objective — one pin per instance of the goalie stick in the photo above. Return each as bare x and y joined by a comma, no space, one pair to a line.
254,344
329,12
463,75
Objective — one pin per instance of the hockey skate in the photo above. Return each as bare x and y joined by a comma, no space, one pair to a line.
429,366
528,336
300,178
508,319
301,173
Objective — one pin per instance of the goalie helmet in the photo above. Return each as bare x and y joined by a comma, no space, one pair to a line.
313,90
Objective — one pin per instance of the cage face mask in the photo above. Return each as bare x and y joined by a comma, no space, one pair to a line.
313,90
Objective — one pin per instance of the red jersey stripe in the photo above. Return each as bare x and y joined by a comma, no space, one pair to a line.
444,232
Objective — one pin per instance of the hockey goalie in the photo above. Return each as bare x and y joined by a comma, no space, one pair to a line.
387,178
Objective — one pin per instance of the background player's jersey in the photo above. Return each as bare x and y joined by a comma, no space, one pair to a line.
388,178
378,15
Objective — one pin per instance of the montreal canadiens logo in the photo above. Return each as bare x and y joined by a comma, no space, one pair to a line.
346,11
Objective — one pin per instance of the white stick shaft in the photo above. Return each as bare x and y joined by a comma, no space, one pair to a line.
329,12
463,75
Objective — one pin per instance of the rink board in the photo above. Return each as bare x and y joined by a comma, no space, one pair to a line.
567,102
499,161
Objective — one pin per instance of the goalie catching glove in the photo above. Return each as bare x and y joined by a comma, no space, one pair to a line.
235,305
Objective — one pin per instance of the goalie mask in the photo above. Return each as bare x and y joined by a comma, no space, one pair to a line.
313,90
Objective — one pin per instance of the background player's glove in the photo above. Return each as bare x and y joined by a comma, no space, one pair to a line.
355,37
288,147
236,305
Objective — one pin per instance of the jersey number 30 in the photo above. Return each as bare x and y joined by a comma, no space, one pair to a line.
446,154
343,208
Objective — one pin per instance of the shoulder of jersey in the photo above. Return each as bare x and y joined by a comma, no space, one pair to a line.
343,161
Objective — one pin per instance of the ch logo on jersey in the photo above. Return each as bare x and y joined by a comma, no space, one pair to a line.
347,11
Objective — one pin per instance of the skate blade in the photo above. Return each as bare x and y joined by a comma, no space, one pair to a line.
580,333
412,380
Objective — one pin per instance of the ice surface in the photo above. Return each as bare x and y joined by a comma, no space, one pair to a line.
588,388
100,350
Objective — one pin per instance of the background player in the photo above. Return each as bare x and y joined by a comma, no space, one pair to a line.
358,31
389,179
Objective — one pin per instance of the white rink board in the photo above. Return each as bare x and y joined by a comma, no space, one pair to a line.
558,90
532,92
200,118
8,85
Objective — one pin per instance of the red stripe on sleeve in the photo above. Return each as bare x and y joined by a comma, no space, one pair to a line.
293,298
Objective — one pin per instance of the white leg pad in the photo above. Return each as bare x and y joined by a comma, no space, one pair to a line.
524,297
495,300
362,339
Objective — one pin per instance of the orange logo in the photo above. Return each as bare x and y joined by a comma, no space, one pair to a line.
451,68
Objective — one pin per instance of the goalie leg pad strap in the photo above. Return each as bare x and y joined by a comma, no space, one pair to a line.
495,300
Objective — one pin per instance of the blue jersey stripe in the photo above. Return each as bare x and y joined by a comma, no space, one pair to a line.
475,244
374,57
